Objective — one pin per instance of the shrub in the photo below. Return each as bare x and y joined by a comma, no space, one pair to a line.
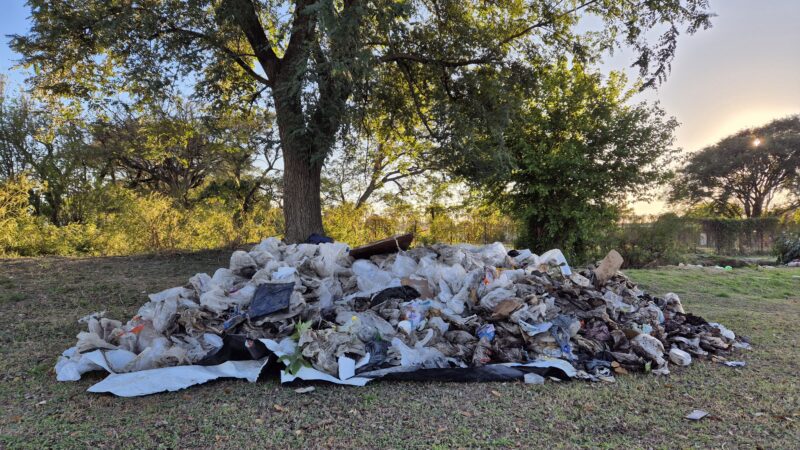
649,244
787,248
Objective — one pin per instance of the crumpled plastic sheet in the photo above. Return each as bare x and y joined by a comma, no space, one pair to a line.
151,381
170,379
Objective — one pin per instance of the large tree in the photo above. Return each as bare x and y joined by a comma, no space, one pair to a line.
319,61
46,142
751,168
575,152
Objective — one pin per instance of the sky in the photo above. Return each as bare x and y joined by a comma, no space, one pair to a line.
741,73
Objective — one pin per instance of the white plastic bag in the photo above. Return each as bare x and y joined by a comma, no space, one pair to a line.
491,299
71,365
223,278
419,355
215,300
403,266
370,278
173,293
202,283
329,261
556,258
494,254
243,296
164,314
271,245
328,291
241,262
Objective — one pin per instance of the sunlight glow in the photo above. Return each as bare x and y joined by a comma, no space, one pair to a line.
756,142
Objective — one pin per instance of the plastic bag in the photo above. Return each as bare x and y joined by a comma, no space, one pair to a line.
673,303
370,278
726,333
175,292
243,296
328,262
556,258
454,276
242,264
261,257
223,278
404,266
71,365
272,245
201,283
649,347
328,291
215,300
680,357
490,300
419,355
494,254
160,353
439,324
296,254
366,325
164,314
89,341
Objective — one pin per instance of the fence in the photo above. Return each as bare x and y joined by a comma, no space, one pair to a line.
754,236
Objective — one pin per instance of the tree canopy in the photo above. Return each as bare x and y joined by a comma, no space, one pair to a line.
452,69
752,168
574,154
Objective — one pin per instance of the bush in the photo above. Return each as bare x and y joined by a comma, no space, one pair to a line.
651,244
787,248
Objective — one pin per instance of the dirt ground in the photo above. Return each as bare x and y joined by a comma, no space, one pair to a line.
42,298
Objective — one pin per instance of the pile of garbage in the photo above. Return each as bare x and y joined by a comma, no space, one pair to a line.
321,311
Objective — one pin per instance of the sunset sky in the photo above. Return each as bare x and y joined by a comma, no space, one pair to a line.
743,72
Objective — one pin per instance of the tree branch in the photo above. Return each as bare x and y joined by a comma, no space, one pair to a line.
246,17
221,47
441,62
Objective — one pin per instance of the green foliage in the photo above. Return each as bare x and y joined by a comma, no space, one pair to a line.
451,71
751,168
458,224
128,223
574,152
650,244
714,210
15,213
295,361
787,248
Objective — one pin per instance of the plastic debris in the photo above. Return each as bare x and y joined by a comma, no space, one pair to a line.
735,363
532,378
442,312
680,357
270,298
608,267
696,414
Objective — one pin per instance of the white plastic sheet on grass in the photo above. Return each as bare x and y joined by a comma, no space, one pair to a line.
169,379
144,382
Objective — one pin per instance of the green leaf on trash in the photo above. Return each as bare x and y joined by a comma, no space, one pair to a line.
300,328
295,361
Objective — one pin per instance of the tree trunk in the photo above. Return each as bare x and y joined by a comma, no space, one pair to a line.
758,207
302,208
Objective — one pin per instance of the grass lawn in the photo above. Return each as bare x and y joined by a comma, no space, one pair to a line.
41,299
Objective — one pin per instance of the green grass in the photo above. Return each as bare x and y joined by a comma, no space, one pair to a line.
755,406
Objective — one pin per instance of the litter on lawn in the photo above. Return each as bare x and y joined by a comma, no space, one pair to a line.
313,311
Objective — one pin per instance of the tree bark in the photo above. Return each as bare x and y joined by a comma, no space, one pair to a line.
302,208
